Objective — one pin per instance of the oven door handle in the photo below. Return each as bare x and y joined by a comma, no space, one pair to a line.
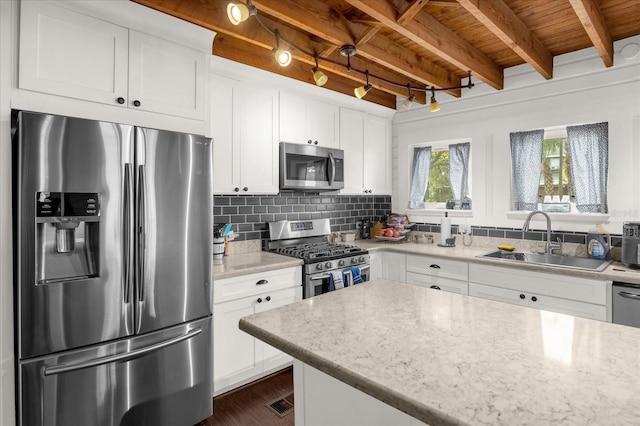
326,276
629,295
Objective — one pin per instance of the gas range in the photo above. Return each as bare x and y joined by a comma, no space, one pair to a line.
309,240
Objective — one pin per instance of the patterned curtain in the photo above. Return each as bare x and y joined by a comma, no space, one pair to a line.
589,155
419,176
526,156
459,169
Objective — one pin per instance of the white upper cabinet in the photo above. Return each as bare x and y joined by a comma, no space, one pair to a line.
244,128
309,121
366,141
67,53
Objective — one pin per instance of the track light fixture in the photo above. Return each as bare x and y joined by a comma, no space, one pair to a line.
282,55
434,107
408,103
361,91
239,12
318,76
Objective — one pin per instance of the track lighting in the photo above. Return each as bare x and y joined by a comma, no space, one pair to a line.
434,107
282,55
361,91
318,76
240,12
408,103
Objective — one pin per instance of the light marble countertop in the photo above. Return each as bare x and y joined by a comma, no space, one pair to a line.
450,359
616,271
253,262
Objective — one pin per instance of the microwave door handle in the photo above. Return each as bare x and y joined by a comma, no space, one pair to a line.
332,168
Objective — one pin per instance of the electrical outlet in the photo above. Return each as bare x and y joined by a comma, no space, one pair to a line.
464,229
358,224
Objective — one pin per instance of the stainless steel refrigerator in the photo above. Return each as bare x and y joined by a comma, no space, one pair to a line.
113,248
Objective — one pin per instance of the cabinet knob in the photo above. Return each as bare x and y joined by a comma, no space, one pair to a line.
245,189
259,300
136,103
309,141
435,287
120,100
434,266
268,298
236,189
535,299
315,142
522,296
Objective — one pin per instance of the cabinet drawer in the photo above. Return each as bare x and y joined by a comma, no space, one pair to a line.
445,284
438,267
541,283
254,284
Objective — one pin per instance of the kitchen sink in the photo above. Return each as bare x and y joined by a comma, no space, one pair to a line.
562,261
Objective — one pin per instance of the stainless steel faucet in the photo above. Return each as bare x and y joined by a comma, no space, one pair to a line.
551,246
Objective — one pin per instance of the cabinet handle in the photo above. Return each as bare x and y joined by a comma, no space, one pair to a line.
245,189
309,141
535,299
136,103
435,287
259,300
268,298
236,189
120,100
262,282
522,296
434,266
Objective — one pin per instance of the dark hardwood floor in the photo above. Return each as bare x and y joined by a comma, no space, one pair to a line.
246,406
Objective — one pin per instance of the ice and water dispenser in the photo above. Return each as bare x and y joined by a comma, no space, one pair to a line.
67,236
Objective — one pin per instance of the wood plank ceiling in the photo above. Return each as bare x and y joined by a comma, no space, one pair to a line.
420,43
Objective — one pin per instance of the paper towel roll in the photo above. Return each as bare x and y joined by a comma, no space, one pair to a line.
445,229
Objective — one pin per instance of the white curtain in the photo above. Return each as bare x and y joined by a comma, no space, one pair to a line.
589,155
459,169
419,176
526,157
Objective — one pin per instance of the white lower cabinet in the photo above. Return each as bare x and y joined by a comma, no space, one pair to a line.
375,265
580,297
393,266
439,274
238,357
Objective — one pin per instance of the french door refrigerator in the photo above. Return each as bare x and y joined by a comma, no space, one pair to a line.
113,248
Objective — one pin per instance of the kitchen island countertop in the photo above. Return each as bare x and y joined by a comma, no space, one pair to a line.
447,359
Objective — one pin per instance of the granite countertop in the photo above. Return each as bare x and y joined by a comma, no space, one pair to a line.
249,263
616,271
448,359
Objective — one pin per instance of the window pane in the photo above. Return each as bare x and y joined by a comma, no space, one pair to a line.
439,189
555,178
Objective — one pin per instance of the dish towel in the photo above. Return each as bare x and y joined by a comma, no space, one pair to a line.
335,280
348,278
355,273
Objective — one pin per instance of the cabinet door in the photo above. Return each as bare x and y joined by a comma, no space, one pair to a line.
257,115
377,155
393,267
499,294
166,77
271,357
236,354
293,119
226,173
323,122
569,307
352,142
438,267
66,53
375,265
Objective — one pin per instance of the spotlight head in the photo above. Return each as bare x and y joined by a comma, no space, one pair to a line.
239,12
434,107
319,77
283,56
361,91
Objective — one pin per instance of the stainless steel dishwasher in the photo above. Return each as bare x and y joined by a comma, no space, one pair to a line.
626,303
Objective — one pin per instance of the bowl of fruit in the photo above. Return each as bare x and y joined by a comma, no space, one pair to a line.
390,234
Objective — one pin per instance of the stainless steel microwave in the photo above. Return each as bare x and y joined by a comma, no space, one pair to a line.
311,167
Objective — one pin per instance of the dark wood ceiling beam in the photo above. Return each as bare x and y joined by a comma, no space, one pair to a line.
317,18
410,11
498,18
238,50
430,34
593,22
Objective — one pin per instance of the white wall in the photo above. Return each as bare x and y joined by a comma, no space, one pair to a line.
582,91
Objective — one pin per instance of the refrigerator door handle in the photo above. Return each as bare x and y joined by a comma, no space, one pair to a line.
141,232
127,237
123,357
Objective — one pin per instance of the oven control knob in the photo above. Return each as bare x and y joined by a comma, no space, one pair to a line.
319,266
354,260
341,262
361,258
328,265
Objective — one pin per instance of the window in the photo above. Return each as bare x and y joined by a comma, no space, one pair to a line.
439,174
555,176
